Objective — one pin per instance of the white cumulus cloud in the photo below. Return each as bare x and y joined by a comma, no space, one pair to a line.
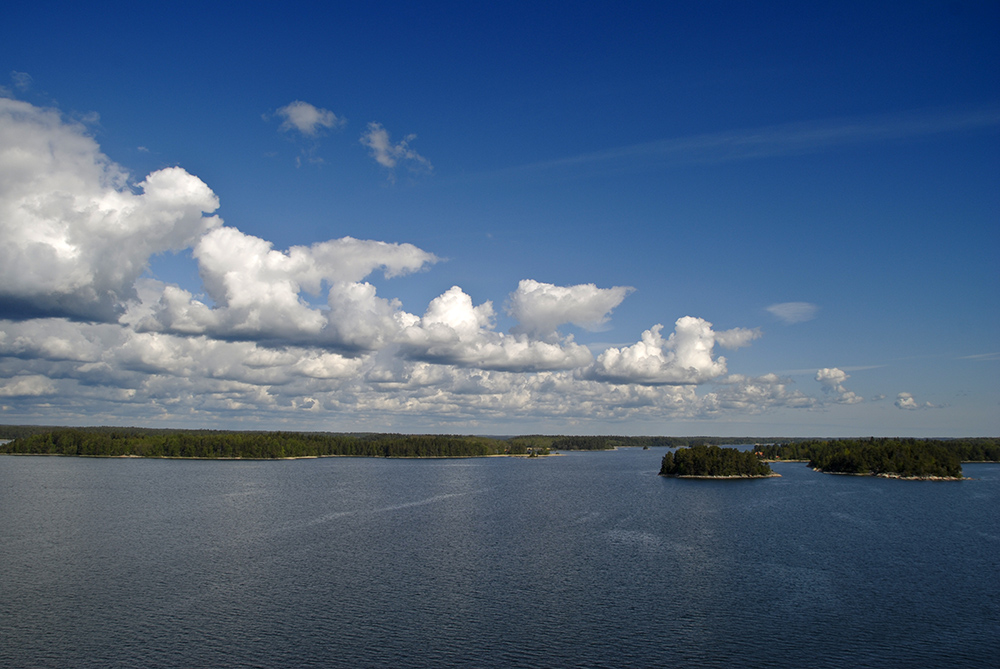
258,290
76,236
50,339
686,357
453,331
29,385
907,402
540,308
831,379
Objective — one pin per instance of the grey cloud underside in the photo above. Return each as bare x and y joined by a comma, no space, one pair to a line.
114,366
22,308
77,234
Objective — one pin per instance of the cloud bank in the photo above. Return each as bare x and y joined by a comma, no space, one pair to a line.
301,334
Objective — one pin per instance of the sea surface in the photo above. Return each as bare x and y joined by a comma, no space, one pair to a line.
580,560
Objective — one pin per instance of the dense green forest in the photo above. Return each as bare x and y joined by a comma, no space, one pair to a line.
918,458
111,442
151,442
706,460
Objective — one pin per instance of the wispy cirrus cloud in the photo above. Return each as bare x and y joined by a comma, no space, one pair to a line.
307,119
982,356
793,312
22,80
788,138
306,123
389,155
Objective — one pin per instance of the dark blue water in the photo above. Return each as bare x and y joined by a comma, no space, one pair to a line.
586,560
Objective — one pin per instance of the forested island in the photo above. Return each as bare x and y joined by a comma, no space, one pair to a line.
887,457
711,461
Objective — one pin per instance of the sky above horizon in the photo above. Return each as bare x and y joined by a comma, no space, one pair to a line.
565,218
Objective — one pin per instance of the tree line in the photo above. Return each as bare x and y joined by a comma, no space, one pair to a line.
886,456
608,442
172,443
110,442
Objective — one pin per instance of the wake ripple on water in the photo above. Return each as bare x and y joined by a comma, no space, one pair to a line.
336,515
645,540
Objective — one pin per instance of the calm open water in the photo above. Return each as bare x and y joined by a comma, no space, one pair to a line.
586,560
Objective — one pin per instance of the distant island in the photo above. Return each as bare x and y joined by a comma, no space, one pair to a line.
714,462
918,459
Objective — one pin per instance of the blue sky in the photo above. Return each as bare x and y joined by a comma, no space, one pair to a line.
632,218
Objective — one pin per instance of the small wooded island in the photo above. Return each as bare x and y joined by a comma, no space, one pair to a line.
918,459
713,462
901,458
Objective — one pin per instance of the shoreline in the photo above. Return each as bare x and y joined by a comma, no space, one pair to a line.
288,457
893,475
721,478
